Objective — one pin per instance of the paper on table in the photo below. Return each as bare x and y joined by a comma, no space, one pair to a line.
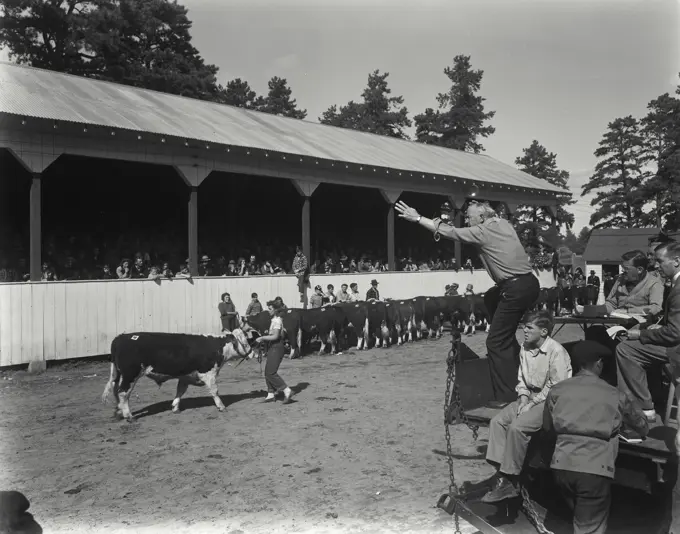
621,315
613,331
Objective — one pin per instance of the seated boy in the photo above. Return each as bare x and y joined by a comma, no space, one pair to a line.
543,363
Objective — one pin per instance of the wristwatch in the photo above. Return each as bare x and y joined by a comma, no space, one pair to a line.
418,219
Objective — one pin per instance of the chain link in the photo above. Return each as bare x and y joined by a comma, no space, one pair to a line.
532,514
453,405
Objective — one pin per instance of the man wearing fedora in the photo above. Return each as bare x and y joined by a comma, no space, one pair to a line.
373,293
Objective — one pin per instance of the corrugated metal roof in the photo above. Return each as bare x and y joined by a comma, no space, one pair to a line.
44,94
607,245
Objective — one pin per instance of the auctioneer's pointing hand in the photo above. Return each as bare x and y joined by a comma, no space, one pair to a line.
407,213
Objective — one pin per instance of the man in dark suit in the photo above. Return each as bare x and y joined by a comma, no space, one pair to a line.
656,345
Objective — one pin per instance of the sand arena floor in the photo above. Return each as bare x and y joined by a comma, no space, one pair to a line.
360,450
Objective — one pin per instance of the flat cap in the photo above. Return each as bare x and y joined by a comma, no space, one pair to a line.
587,352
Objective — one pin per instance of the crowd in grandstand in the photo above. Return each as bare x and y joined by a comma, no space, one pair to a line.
159,255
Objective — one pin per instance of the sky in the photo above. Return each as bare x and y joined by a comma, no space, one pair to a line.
556,71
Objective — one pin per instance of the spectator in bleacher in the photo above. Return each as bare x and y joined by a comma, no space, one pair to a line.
364,266
227,313
252,267
343,295
277,267
205,268
267,268
254,306
138,269
354,295
373,292
410,266
636,291
184,271
353,266
329,265
106,273
469,266
166,272
123,270
343,264
154,273
231,269
316,300
241,269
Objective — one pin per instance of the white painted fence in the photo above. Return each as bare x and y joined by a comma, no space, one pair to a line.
60,320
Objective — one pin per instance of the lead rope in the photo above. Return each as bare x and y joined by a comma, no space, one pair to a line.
453,405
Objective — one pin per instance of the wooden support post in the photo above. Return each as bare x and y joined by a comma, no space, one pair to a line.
193,176
35,225
306,190
457,245
193,231
391,198
307,229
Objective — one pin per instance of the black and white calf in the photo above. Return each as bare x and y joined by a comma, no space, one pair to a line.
191,359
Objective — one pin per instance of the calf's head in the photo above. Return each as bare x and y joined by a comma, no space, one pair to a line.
237,345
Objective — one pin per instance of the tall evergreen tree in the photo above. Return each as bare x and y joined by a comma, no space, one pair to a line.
618,177
278,100
378,112
661,131
535,221
239,93
459,121
144,43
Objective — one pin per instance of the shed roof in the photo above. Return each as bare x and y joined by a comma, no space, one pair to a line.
607,245
44,94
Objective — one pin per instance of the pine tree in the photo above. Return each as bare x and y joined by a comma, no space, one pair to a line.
535,221
144,43
239,93
459,121
378,113
278,100
661,131
618,177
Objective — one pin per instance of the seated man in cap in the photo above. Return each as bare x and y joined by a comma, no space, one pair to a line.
586,415
543,363
316,300
373,292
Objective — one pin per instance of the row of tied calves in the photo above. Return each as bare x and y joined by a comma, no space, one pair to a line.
375,323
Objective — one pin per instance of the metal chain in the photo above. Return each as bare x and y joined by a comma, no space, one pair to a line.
532,514
452,402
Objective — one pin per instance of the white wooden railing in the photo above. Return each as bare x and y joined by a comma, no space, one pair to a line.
61,320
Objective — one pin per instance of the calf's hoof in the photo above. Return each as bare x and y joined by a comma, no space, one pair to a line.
117,415
221,408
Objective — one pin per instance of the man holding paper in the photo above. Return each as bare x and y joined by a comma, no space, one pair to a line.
657,345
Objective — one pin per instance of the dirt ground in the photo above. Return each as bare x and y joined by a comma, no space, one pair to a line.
360,450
